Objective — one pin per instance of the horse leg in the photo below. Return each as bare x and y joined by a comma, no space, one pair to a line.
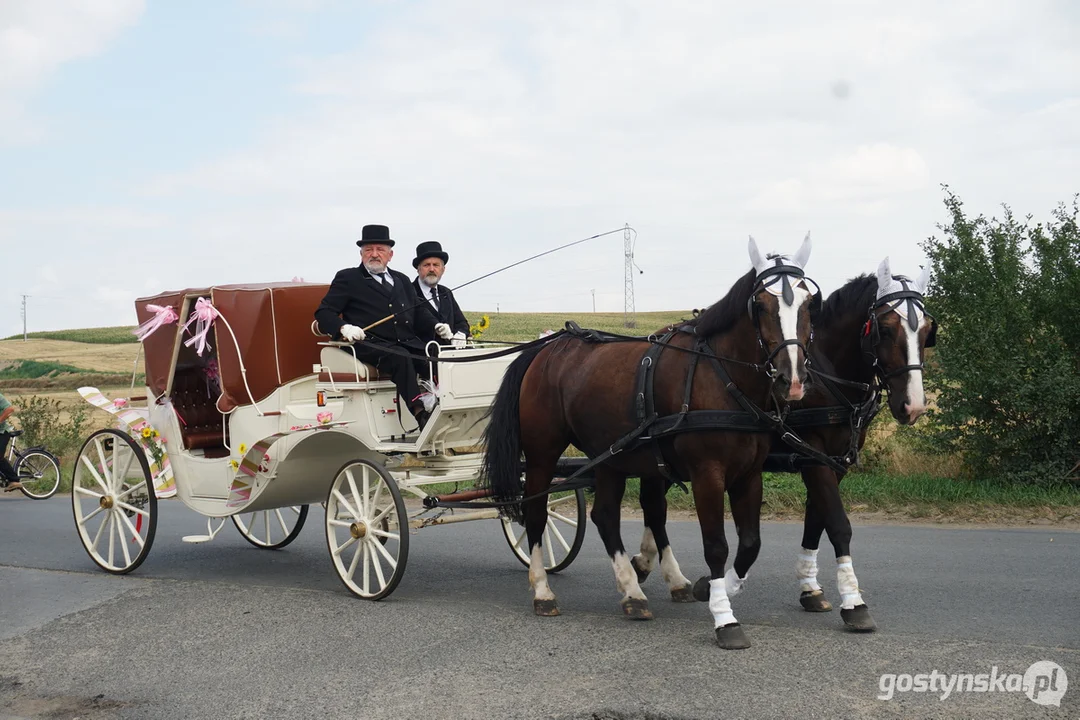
709,500
654,541
811,597
824,486
746,512
607,503
537,479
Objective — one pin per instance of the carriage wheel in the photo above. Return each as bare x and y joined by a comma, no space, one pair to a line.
113,500
39,474
566,516
367,530
271,529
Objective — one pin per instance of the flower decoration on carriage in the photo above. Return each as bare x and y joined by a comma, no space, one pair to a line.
203,316
242,449
120,403
163,315
325,417
478,329
152,440
234,464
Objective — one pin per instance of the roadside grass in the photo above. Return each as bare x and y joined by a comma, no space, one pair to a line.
50,375
103,335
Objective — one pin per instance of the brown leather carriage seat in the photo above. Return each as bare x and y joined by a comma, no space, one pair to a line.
201,424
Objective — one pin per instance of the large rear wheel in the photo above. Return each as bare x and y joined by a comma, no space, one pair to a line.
563,535
113,500
367,530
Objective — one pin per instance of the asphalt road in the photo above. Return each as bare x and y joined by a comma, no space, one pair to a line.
225,630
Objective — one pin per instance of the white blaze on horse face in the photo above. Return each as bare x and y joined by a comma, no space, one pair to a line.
719,604
538,575
625,577
916,398
789,329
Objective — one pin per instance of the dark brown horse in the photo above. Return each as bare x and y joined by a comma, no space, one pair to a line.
571,391
871,333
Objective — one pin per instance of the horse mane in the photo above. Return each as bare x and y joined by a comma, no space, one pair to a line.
722,315
855,296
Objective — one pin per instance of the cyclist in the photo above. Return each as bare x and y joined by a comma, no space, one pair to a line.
11,480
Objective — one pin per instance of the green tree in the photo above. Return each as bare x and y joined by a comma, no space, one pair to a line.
1006,371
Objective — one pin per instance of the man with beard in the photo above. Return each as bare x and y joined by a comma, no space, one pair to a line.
430,263
364,295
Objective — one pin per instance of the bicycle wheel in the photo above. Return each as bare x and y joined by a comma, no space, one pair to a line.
39,474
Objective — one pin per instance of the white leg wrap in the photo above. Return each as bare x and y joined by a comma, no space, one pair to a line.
847,583
719,605
734,584
806,569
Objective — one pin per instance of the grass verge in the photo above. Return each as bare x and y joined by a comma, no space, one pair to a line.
105,335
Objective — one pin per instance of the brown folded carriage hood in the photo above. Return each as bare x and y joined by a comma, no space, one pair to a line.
272,323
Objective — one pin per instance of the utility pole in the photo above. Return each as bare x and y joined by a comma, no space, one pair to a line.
594,300
629,317
24,317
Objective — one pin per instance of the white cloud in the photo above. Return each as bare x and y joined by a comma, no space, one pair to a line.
37,37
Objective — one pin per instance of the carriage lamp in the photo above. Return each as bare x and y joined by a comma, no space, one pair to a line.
320,398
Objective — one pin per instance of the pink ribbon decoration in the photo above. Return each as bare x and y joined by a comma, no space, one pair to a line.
203,316
162,316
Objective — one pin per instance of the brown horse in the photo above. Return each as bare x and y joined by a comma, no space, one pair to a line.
870,335
589,394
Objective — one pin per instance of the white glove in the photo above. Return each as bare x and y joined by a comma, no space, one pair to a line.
352,333
443,331
458,340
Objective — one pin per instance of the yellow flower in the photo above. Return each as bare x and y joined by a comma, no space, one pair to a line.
234,464
242,449
484,324
146,433
154,433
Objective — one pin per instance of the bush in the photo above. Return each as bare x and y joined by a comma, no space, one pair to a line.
41,422
1006,372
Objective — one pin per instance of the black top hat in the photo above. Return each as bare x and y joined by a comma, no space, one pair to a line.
375,234
429,249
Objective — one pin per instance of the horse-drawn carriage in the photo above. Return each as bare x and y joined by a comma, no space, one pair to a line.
251,415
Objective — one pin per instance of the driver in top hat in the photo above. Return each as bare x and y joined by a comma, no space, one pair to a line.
430,263
361,296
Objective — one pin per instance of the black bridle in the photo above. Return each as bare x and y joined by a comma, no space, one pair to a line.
767,278
871,337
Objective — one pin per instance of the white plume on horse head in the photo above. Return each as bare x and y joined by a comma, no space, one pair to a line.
762,263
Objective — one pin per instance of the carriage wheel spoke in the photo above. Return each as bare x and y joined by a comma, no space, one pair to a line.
94,473
357,553
87,491
132,508
133,488
520,537
355,494
135,534
554,530
122,538
378,565
367,567
281,522
340,523
385,553
384,534
344,546
112,540
266,525
99,446
549,546
563,518
345,503
101,529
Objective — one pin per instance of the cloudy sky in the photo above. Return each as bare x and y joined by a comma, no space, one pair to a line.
155,145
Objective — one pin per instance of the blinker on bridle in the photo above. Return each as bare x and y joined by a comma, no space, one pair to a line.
871,334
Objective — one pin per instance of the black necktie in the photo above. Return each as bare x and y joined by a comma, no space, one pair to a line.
383,278
435,296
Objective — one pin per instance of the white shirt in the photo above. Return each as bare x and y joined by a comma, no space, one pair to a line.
429,294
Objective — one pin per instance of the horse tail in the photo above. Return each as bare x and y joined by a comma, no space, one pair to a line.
501,468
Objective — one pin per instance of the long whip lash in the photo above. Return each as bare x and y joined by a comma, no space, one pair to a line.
495,272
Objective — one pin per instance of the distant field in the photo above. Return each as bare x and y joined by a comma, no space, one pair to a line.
527,326
105,335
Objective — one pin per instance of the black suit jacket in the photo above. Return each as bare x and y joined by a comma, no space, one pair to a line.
356,298
448,312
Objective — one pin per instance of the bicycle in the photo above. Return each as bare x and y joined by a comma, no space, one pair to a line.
38,469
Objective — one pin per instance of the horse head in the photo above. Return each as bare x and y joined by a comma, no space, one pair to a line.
782,305
897,331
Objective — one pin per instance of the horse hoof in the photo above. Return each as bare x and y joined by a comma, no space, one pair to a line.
685,594
546,608
814,601
732,637
858,619
636,609
701,589
641,573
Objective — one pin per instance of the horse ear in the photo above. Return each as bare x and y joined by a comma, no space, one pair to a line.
803,255
755,255
884,276
923,280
